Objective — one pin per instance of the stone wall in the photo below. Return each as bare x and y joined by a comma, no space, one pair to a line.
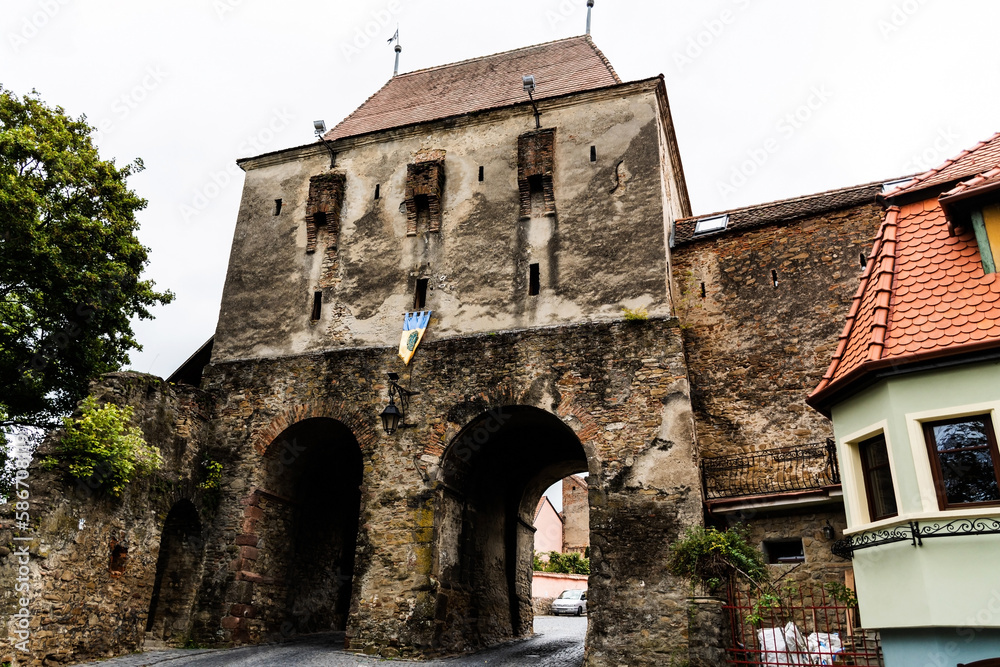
756,350
618,391
81,609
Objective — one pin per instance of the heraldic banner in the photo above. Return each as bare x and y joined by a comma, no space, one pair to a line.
413,331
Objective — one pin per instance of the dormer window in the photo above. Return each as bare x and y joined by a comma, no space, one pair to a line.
986,225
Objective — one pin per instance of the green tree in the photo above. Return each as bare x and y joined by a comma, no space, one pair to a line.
70,264
103,448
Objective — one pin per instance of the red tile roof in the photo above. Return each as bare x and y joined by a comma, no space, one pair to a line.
561,67
923,295
984,155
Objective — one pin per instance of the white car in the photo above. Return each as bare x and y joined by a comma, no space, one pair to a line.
570,602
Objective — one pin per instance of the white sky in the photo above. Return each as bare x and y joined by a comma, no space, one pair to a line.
895,87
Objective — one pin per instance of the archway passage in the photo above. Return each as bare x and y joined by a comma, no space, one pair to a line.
310,503
178,575
493,475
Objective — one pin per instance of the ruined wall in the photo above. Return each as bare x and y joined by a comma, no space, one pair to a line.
79,608
755,351
621,388
477,264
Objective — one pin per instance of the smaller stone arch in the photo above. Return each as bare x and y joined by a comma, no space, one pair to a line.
179,569
360,425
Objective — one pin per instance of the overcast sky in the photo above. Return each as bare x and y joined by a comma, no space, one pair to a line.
771,99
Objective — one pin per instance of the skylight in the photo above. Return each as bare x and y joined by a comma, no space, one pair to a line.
892,185
712,224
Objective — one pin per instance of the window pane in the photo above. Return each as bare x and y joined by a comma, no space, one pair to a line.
969,477
970,433
883,501
878,478
964,449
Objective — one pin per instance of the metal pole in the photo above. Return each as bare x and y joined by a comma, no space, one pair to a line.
590,7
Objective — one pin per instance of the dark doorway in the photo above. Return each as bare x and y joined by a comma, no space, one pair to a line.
178,575
311,504
494,473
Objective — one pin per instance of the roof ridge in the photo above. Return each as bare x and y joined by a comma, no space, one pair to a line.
492,55
815,195
852,315
914,184
604,59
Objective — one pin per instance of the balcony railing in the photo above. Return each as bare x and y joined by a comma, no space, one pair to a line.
800,468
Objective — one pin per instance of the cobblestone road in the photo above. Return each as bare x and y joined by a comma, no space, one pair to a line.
558,642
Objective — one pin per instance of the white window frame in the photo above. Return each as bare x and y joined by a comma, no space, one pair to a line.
851,470
921,456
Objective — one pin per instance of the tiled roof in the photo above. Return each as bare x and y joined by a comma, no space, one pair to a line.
984,155
780,211
561,67
541,503
923,295
579,480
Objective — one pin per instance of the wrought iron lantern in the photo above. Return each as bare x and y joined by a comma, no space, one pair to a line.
393,415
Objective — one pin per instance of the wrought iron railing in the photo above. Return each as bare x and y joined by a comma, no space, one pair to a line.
799,468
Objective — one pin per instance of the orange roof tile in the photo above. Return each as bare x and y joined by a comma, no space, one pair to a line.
923,294
979,158
561,67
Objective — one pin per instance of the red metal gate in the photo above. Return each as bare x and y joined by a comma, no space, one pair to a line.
795,626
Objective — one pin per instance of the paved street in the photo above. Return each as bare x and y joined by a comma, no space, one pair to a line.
558,642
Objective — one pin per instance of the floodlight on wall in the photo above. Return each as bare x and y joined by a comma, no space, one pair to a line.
529,87
392,415
319,126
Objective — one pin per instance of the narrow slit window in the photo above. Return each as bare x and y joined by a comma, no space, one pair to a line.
480,174
863,260
378,188
420,296
593,153
774,277
277,206
118,560
534,282
703,290
317,309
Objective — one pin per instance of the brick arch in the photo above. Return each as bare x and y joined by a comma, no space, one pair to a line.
359,424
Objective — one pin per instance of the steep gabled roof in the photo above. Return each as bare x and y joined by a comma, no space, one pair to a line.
565,66
976,160
923,293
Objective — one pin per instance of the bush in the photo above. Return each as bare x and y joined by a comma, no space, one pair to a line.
571,563
102,447
709,557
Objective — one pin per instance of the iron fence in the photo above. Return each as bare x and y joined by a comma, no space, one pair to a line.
797,627
780,470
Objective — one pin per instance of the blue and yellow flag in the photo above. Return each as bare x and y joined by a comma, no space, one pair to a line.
413,331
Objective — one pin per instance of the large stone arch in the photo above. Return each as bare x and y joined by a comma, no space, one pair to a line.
299,534
360,424
491,476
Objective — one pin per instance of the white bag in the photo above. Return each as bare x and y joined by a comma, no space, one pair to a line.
778,645
823,647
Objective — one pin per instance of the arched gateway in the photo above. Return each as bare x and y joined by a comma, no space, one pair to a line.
491,477
300,530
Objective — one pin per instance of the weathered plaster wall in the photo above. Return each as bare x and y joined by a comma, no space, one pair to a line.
755,351
79,610
603,249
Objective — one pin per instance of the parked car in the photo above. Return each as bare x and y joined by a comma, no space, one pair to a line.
570,602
